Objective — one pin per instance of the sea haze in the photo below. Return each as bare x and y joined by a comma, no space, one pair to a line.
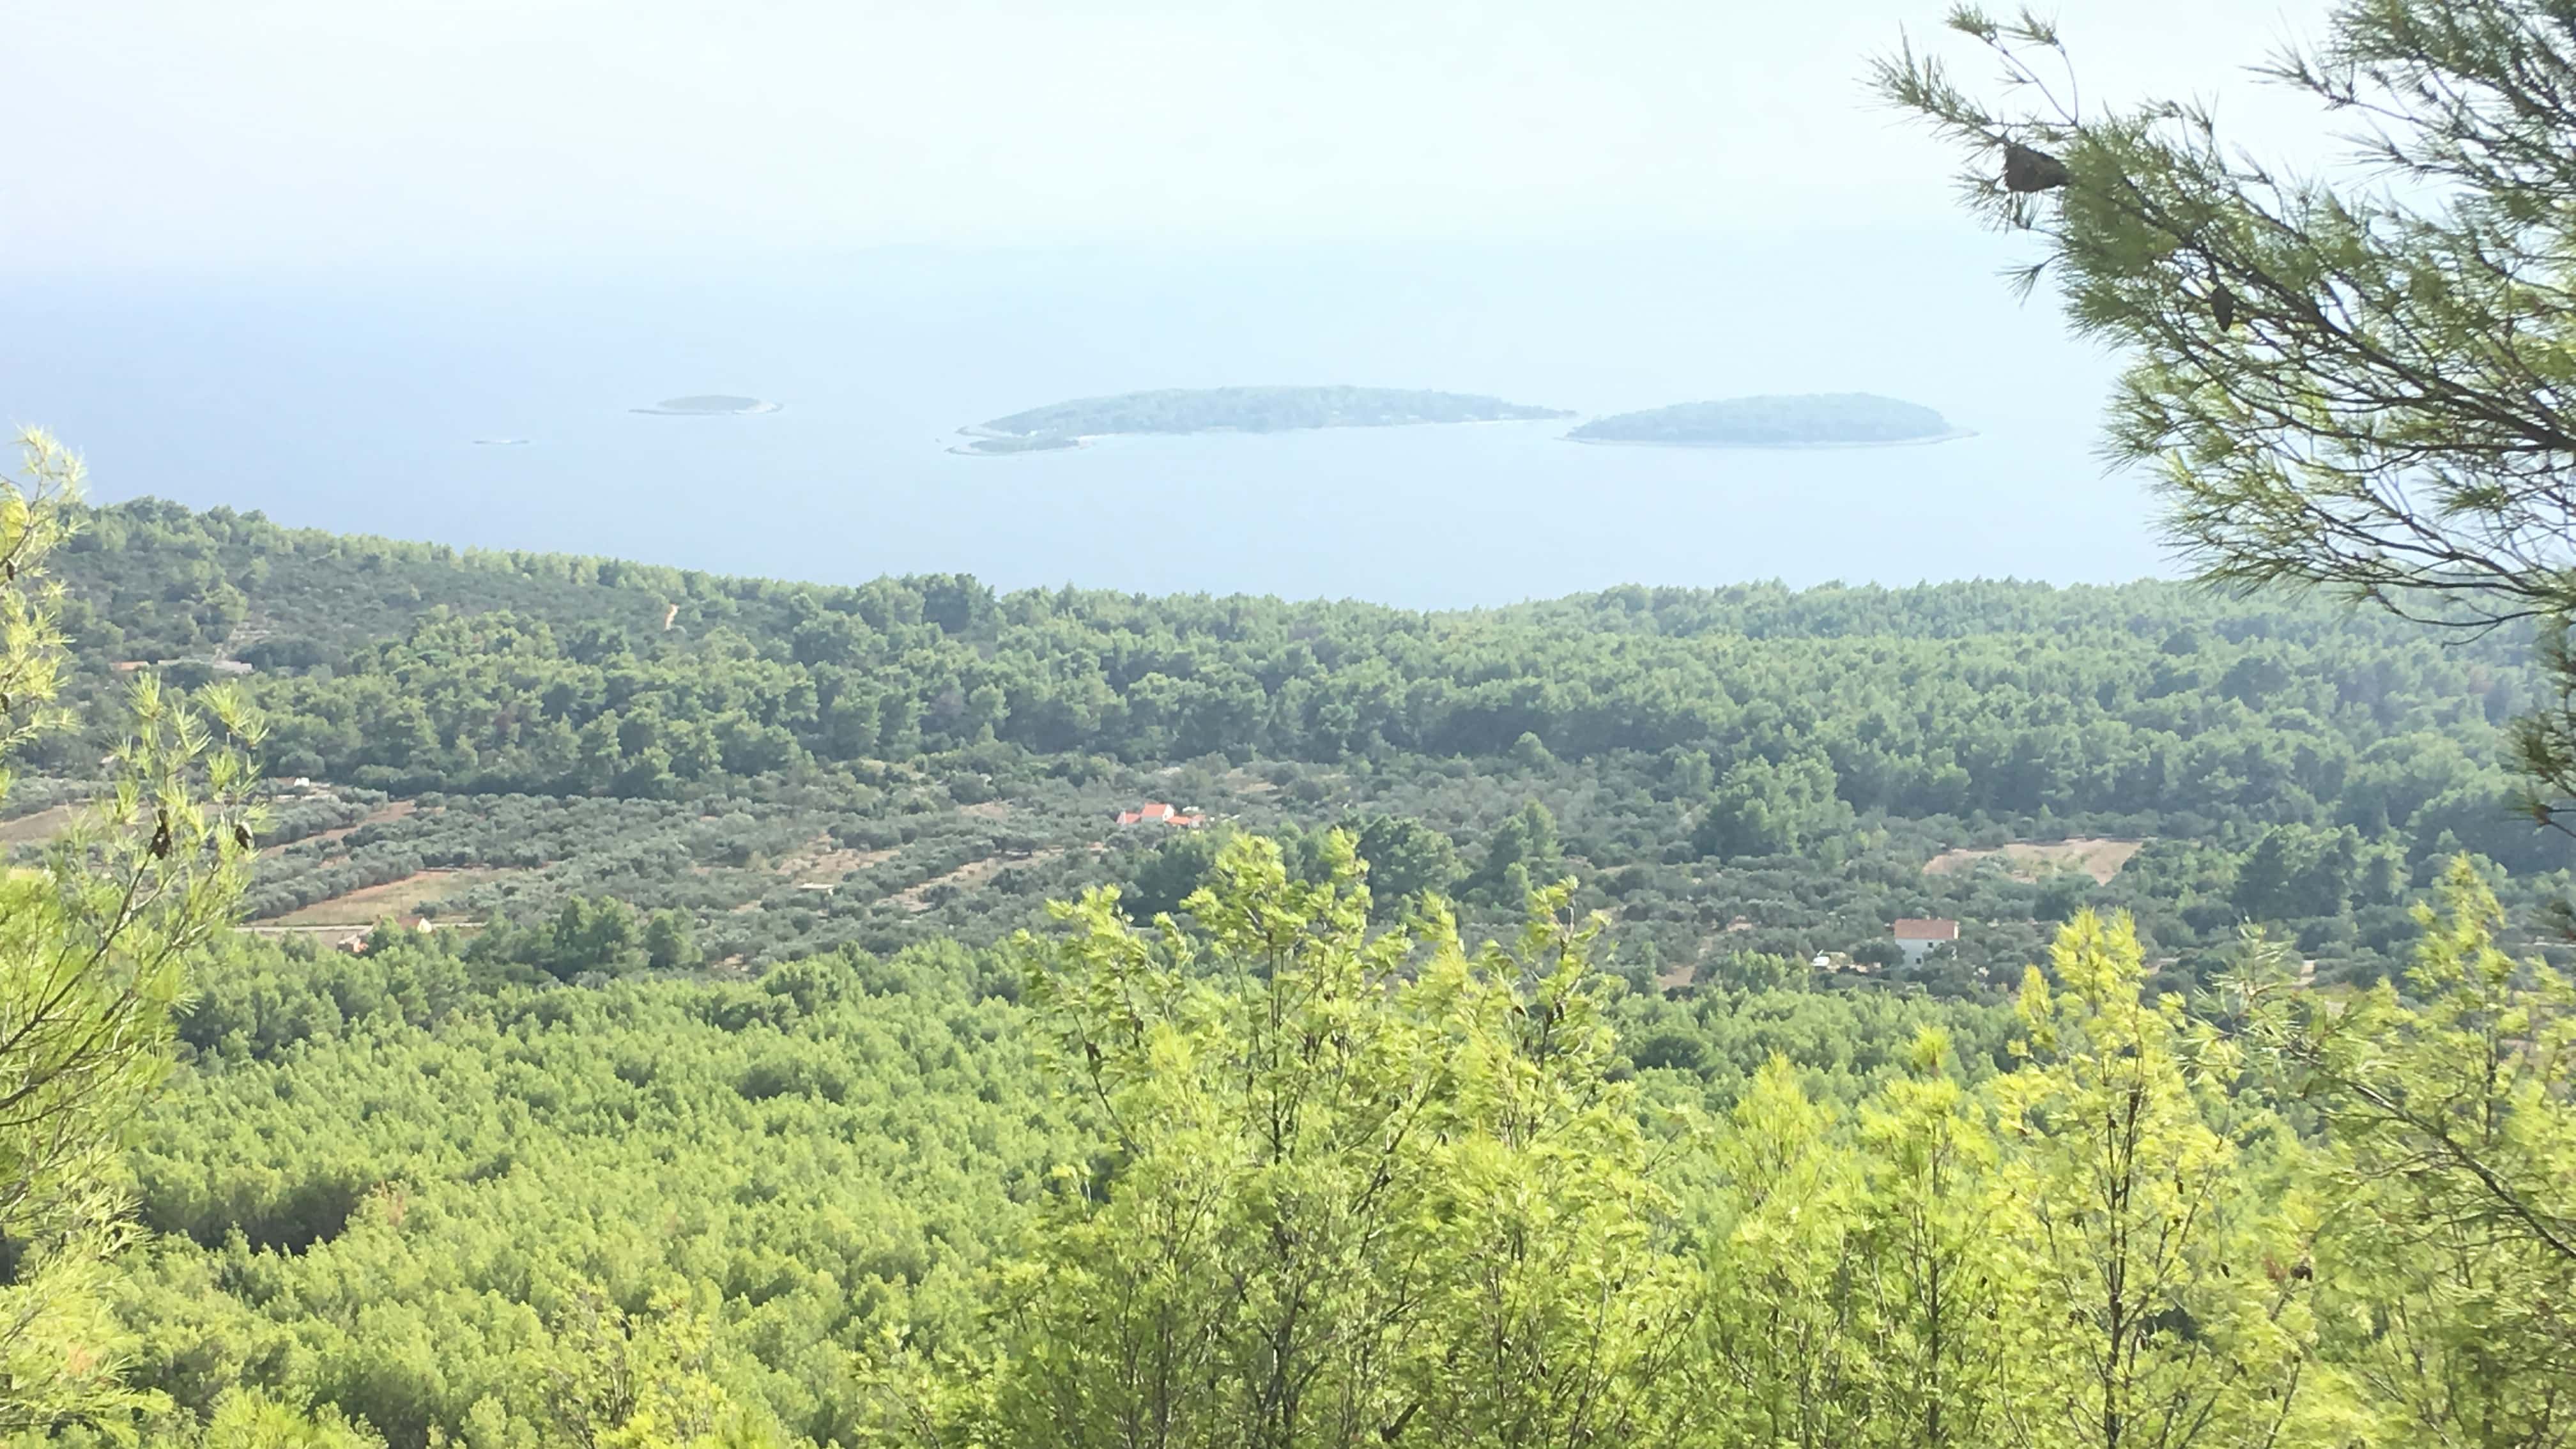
355,403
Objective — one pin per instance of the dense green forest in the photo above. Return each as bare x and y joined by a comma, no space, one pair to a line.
721,1066
1772,422
1252,410
1753,770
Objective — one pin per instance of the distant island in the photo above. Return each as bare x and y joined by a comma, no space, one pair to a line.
1238,410
1040,443
1810,420
708,405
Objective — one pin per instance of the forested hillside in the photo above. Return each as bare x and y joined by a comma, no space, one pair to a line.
688,1042
797,767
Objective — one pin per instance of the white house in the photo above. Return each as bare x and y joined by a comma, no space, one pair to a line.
1917,935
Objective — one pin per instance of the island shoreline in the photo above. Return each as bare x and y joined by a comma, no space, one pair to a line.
1952,436
978,433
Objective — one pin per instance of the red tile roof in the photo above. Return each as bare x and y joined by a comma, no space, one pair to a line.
1157,812
1920,928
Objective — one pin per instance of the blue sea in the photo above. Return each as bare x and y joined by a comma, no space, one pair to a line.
352,400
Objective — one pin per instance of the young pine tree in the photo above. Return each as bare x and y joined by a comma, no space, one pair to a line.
2165,1288
1351,1190
1938,1286
2449,1111
93,948
1776,1359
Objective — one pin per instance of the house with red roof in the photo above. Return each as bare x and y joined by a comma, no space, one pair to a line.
1917,935
1155,812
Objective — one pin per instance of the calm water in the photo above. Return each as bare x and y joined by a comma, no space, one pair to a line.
352,402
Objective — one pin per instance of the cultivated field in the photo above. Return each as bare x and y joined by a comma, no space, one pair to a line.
394,898
2030,860
43,825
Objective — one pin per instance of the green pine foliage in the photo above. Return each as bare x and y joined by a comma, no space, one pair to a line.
95,938
400,1186
750,1091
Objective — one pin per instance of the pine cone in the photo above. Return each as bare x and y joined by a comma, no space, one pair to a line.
2027,170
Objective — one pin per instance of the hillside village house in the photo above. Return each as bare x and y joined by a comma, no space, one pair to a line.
1917,935
1155,812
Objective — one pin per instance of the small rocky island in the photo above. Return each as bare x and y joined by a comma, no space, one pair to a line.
1809,420
708,405
1237,410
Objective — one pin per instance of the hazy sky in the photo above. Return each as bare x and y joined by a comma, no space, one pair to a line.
162,133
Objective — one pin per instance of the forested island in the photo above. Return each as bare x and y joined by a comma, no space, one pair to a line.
1810,420
1238,409
709,405
1037,443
